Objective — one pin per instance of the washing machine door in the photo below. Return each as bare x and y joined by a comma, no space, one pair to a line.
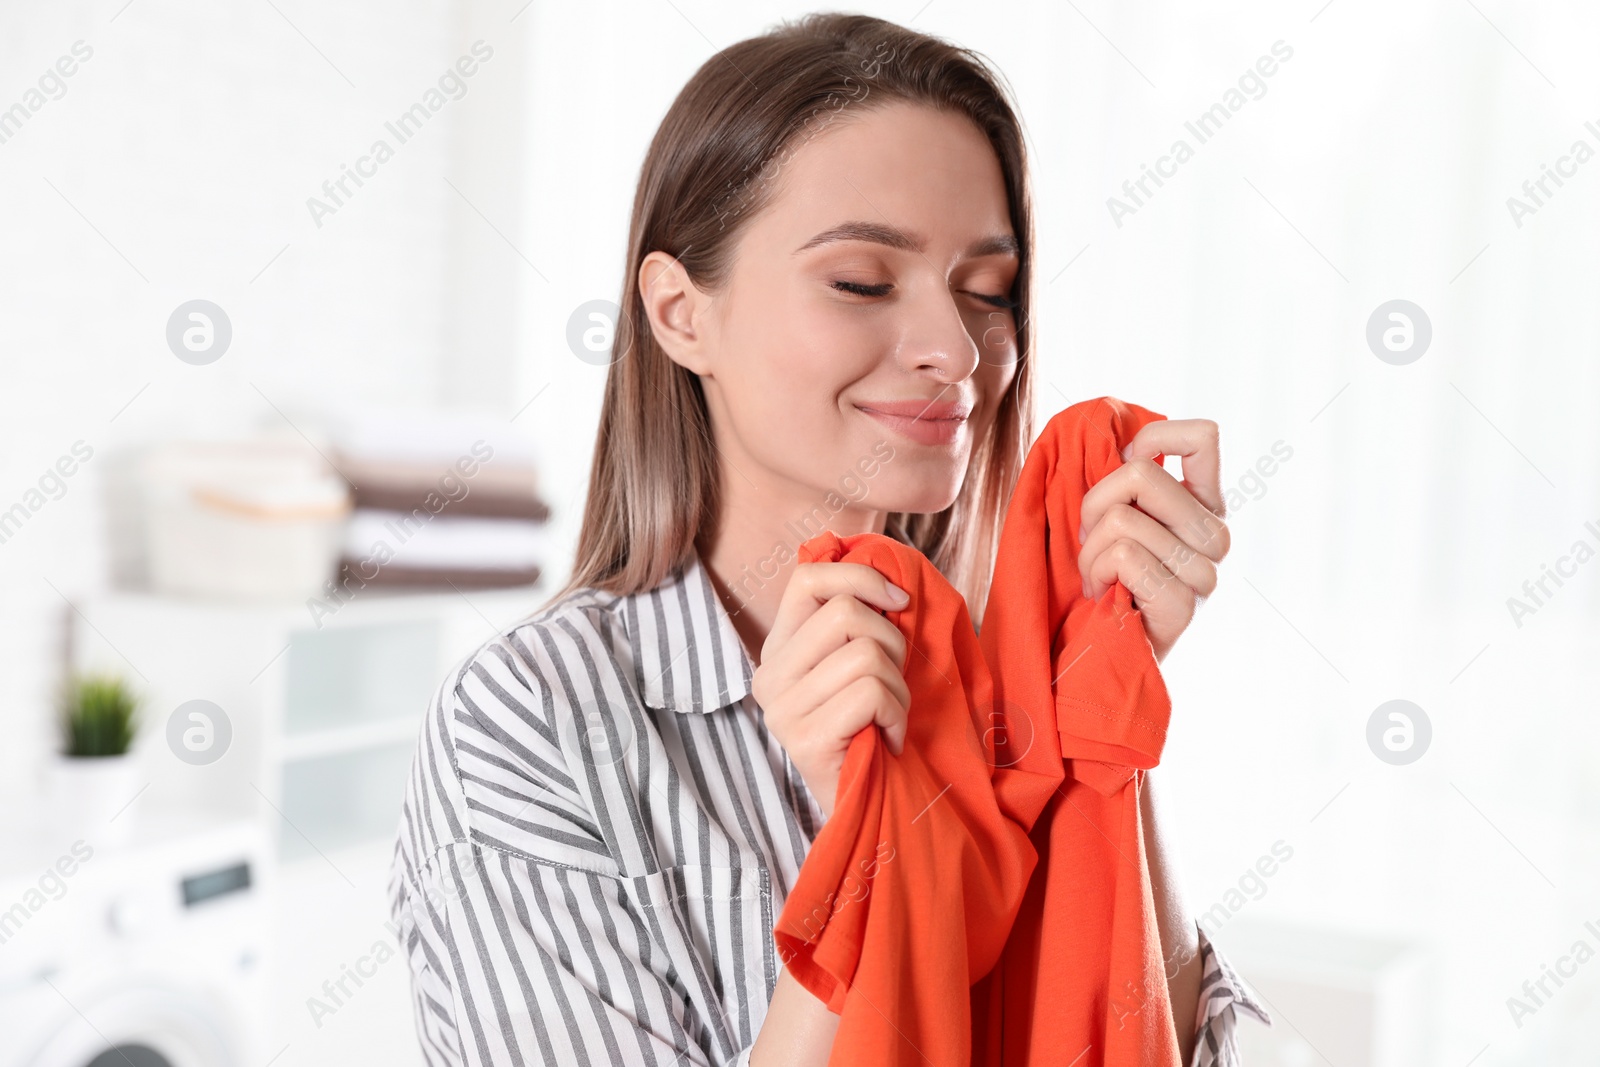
131,1055
145,1025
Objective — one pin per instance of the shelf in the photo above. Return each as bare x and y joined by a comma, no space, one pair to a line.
325,719
503,605
343,800
357,677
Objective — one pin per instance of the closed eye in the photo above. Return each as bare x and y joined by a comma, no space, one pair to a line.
856,288
884,288
997,301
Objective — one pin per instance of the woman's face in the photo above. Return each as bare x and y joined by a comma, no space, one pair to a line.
870,291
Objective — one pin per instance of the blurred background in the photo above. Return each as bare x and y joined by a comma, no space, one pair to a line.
246,353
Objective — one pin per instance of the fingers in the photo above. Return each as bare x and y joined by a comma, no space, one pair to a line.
1198,442
1164,599
828,631
843,671
1145,483
862,703
831,666
1175,556
811,585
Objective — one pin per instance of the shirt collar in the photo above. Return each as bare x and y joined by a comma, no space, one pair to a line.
688,655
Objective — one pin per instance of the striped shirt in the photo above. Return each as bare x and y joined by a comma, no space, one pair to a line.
598,835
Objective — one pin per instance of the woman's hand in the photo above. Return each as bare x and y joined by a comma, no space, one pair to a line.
1159,537
831,666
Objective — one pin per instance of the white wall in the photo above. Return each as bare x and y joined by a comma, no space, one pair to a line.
178,165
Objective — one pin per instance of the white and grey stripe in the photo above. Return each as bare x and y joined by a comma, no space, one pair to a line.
1222,993
597,837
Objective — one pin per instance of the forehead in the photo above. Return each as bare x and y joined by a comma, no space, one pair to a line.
904,167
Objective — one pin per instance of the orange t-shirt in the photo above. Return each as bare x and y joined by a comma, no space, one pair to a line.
907,893
1083,712
927,879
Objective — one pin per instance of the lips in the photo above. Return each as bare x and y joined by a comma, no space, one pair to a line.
931,410
924,421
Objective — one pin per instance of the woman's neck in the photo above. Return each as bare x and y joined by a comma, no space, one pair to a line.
749,557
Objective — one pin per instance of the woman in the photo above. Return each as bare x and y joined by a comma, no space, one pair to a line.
824,325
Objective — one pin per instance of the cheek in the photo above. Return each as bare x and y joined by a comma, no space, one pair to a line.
801,354
781,396
995,335
993,377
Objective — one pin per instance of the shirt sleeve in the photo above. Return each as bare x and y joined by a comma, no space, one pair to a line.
515,958
1222,995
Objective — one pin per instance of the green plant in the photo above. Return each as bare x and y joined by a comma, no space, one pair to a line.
98,716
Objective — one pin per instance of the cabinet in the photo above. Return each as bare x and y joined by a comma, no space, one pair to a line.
321,712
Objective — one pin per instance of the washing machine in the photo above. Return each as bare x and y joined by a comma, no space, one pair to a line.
142,952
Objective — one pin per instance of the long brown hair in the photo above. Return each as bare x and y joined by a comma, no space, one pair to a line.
653,481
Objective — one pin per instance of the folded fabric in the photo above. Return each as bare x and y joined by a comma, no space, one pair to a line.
362,574
505,490
927,873
909,889
463,542
1081,713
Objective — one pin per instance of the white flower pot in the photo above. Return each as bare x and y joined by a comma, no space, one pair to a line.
91,796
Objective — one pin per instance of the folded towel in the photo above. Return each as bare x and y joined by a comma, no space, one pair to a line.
403,539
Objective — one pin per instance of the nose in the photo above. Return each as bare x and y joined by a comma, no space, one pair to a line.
936,340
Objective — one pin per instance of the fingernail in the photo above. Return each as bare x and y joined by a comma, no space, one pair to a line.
1083,534
898,595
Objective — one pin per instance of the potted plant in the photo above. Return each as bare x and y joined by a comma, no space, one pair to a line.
95,774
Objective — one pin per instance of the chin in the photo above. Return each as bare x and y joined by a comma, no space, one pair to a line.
920,499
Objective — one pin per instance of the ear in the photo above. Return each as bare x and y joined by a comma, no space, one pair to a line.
677,311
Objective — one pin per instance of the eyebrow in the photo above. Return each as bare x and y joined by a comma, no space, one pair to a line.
894,237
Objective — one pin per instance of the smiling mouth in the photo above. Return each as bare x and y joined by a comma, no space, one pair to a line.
923,429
